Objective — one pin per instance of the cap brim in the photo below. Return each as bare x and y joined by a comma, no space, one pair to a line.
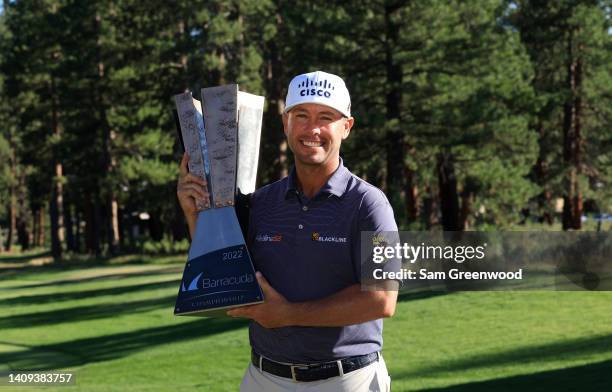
288,108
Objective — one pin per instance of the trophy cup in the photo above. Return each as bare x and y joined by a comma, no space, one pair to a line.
222,139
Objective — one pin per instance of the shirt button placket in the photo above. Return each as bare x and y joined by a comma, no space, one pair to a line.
304,208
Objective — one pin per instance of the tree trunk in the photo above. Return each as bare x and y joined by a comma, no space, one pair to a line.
467,200
88,216
412,191
541,173
179,231
77,229
132,224
449,199
12,204
108,135
155,227
121,230
35,226
39,226
97,227
41,230
273,160
12,229
400,179
23,234
56,202
430,209
113,224
182,37
55,217
92,226
572,142
69,225
23,216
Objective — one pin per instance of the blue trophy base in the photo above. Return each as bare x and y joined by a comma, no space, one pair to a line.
219,273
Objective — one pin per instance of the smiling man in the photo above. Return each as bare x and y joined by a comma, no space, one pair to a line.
317,329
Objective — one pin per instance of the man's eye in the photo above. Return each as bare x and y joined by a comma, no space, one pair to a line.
326,119
300,116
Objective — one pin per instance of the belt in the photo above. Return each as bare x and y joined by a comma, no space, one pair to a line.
313,372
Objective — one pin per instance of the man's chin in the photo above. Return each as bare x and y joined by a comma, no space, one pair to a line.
310,160
314,161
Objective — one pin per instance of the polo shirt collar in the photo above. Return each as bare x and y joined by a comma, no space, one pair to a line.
336,185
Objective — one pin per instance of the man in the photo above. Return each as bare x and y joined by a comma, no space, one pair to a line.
317,330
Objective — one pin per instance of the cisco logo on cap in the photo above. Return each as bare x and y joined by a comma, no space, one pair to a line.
321,88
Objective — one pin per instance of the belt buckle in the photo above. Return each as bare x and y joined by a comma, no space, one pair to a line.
293,367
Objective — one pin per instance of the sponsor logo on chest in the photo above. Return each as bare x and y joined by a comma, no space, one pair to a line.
269,238
318,237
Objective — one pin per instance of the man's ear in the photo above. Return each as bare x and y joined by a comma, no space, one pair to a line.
348,124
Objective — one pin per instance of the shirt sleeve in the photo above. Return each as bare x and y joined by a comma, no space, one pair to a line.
376,228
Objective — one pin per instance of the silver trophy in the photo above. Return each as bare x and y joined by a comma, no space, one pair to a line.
222,139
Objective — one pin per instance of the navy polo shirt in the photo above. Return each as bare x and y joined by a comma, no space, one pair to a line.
309,249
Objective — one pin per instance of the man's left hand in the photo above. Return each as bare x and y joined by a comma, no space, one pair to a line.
272,313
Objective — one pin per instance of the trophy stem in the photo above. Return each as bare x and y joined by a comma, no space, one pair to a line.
215,228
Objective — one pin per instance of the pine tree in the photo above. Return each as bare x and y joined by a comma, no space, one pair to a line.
441,87
569,45
33,59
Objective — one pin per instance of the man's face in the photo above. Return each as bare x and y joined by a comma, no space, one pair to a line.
314,133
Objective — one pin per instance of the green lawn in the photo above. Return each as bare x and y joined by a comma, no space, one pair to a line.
113,325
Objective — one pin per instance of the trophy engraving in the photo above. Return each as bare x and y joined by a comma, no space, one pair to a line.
192,126
220,108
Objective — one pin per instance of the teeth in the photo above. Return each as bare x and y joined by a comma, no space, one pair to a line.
312,144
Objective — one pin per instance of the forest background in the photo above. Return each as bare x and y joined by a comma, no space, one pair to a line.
470,115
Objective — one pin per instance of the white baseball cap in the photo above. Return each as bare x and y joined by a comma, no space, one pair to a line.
319,87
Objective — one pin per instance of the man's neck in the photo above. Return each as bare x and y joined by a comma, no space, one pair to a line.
310,179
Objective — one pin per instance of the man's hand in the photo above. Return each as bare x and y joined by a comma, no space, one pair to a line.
273,313
189,188
351,305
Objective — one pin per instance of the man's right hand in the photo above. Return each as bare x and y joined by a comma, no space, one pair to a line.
189,188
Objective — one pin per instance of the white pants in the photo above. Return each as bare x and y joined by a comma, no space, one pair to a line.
371,378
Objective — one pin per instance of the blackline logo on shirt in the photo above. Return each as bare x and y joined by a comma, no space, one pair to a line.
268,238
325,238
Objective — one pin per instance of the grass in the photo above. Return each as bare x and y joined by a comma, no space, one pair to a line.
112,324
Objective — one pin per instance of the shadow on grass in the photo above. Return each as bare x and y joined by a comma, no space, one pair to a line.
568,349
84,294
590,378
89,312
9,270
417,295
22,258
127,274
103,348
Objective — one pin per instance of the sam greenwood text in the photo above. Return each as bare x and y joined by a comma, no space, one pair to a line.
422,253
453,274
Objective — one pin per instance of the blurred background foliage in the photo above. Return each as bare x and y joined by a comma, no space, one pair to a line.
489,114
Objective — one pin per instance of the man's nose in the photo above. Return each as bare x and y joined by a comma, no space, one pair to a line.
314,126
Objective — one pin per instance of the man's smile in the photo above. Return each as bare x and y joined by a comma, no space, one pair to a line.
312,143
